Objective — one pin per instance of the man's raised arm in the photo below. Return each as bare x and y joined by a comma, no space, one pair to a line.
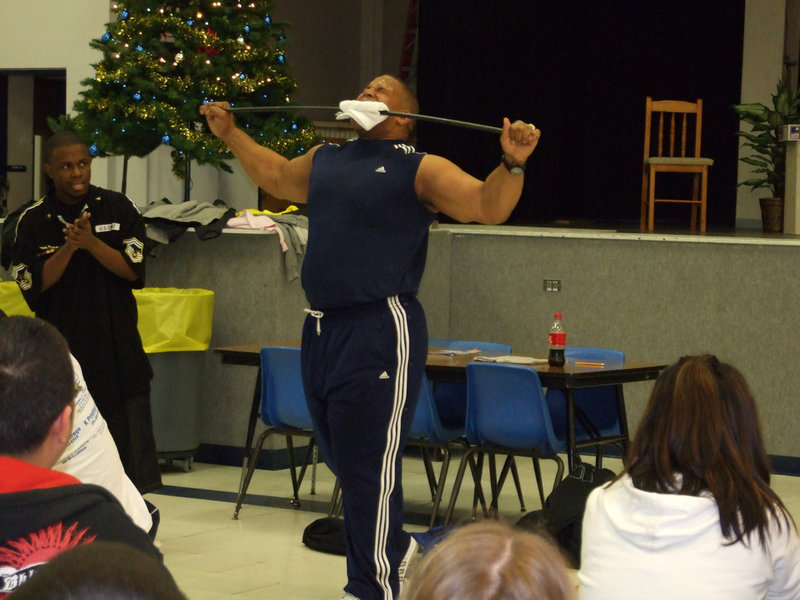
446,188
279,176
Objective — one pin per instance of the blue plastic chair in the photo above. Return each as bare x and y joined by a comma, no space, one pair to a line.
451,396
284,411
596,409
427,433
506,414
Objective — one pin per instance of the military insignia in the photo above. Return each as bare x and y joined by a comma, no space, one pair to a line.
22,276
134,249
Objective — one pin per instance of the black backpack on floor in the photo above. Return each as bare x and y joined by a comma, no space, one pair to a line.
562,516
326,535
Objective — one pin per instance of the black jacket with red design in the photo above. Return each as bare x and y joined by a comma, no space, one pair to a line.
43,512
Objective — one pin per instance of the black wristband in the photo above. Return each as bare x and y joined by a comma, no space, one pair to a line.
514,169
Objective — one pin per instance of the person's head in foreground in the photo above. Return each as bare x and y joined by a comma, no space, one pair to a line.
700,433
36,390
489,560
101,571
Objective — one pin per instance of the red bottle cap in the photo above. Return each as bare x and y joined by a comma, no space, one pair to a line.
557,315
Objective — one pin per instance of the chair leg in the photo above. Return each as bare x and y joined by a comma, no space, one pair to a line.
537,470
462,467
509,465
310,453
703,199
428,463
651,201
437,499
493,484
251,466
335,506
295,501
696,198
477,477
643,212
559,470
314,467
517,484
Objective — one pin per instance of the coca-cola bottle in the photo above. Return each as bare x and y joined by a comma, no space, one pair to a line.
556,342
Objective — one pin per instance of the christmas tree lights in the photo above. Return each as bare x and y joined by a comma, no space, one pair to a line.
162,60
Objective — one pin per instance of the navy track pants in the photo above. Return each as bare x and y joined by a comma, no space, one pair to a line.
362,368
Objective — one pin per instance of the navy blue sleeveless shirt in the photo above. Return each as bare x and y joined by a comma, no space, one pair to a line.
368,231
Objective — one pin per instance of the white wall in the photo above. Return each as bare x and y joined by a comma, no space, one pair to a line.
762,63
53,34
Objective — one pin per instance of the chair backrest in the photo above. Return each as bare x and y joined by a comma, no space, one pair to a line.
451,396
673,128
427,423
597,354
506,406
598,403
283,400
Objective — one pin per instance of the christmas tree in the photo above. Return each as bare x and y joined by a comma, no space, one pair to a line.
162,60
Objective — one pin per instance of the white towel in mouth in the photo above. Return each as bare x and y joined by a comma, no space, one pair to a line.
365,113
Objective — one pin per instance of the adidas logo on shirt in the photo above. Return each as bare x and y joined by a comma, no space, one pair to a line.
383,375
381,169
406,148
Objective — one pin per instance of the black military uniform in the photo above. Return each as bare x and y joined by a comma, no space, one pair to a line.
95,310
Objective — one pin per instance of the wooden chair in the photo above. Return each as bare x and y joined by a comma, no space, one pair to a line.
672,134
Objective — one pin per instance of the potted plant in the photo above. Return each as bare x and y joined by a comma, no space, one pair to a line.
769,154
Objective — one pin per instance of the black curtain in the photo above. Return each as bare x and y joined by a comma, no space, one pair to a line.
581,70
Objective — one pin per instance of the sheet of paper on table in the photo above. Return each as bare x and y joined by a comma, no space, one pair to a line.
517,360
450,352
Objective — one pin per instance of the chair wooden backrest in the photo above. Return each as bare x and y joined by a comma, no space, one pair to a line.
672,136
673,133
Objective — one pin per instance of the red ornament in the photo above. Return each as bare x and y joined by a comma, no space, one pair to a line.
208,49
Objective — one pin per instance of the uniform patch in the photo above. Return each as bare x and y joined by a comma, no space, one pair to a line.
22,276
134,249
107,227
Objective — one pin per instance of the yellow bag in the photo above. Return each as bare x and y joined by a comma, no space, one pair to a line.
175,319
11,300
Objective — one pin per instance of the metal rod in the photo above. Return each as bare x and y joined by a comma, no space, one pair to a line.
256,109
390,113
443,121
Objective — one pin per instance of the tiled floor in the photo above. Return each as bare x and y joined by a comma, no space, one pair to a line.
261,555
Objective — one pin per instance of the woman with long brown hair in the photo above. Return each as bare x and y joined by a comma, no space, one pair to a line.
692,515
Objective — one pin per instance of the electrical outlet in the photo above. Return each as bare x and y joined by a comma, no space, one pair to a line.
551,285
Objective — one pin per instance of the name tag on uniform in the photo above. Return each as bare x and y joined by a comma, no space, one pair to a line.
107,227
